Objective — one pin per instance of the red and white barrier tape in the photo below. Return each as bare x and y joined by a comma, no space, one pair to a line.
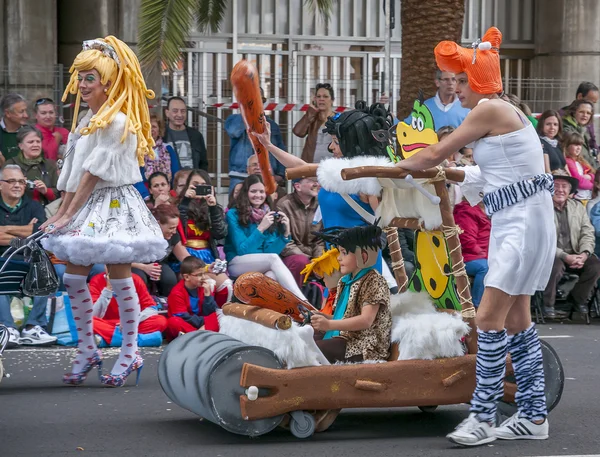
276,107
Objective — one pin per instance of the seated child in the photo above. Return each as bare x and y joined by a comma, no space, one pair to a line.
106,309
361,325
191,302
326,267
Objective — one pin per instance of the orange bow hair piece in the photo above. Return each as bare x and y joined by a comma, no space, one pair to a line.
481,63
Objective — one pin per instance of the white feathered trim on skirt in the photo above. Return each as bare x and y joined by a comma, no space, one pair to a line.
114,227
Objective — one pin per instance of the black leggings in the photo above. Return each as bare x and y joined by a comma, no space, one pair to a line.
168,280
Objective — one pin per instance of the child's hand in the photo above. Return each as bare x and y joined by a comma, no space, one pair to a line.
320,322
207,288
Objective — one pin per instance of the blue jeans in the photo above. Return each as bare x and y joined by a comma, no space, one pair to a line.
60,271
478,269
37,315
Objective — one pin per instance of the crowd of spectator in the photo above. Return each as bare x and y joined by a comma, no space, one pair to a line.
273,234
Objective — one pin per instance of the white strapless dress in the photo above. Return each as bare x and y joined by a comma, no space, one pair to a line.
523,236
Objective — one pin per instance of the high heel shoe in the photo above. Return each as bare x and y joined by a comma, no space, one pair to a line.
76,379
118,380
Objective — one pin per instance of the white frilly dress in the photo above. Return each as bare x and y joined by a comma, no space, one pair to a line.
523,236
115,226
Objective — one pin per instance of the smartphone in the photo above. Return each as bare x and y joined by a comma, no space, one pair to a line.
203,190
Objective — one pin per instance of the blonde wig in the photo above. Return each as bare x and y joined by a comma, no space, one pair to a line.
324,265
115,62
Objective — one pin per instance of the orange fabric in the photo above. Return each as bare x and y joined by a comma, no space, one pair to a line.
484,75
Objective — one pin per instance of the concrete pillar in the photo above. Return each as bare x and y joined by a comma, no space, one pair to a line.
567,47
29,53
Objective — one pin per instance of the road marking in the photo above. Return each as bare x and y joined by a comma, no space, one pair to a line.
555,336
573,455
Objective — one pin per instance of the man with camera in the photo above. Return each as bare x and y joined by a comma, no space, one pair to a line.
300,206
20,216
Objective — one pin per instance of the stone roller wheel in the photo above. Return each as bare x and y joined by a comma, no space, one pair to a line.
200,371
554,377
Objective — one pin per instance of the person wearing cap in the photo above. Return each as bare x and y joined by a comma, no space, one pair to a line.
517,193
574,250
300,206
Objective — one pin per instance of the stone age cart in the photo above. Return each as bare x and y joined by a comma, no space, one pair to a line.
245,389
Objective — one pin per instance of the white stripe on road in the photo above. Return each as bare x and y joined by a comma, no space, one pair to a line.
546,337
573,455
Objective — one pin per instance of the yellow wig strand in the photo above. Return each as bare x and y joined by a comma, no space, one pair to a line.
127,93
324,265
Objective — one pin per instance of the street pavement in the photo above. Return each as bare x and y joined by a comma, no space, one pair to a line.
40,417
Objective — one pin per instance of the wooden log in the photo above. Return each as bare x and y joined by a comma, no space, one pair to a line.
397,259
406,382
381,385
463,287
262,316
407,222
452,174
305,171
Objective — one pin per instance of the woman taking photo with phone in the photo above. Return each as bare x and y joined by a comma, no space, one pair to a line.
203,224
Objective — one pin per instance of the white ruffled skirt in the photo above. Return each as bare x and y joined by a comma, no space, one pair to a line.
114,227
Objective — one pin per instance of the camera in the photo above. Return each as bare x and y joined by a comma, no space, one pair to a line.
276,216
30,184
203,190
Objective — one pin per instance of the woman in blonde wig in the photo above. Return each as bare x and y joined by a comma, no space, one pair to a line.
103,219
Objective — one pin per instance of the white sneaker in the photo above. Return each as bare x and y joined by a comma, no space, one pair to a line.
14,339
36,336
519,428
472,432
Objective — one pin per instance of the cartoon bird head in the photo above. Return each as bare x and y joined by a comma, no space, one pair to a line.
421,131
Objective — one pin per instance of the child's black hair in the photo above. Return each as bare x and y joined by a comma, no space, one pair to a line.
365,237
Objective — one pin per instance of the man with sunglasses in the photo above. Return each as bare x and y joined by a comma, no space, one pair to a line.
20,217
53,137
13,109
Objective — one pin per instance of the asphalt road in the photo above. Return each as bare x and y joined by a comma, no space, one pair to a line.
40,417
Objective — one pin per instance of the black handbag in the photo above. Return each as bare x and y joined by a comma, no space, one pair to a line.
42,279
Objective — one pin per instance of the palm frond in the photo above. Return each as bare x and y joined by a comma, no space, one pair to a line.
323,7
211,14
163,28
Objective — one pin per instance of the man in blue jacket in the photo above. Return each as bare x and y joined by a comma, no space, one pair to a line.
241,149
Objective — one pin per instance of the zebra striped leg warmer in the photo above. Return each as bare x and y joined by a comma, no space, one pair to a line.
490,370
526,355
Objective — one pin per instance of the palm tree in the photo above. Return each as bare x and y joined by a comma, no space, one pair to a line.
424,25
164,25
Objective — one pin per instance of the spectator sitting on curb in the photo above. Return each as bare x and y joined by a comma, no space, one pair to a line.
20,217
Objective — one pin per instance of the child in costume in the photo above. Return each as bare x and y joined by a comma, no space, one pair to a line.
103,218
326,267
191,302
517,196
361,325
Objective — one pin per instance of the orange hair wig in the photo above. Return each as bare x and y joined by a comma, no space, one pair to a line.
481,63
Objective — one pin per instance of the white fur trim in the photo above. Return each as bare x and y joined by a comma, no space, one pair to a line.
295,347
422,332
329,175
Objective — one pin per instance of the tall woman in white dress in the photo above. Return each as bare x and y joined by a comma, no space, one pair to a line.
103,219
517,195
